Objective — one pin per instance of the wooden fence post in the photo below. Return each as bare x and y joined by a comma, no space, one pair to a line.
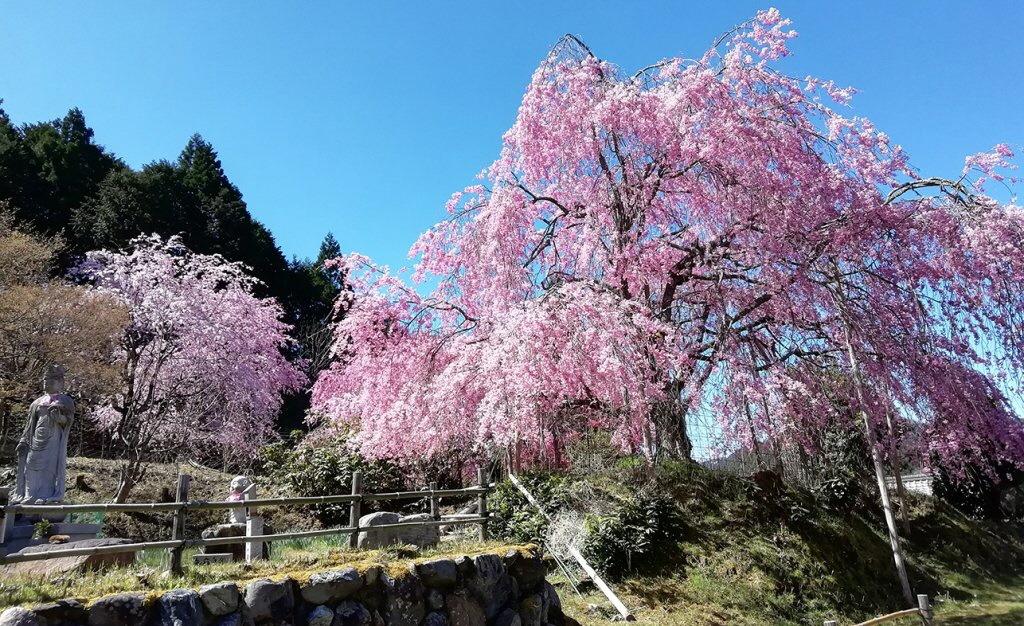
435,505
355,509
831,622
253,549
481,502
925,608
178,524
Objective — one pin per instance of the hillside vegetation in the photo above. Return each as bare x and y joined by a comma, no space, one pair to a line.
685,545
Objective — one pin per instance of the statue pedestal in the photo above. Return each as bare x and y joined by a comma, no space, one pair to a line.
19,536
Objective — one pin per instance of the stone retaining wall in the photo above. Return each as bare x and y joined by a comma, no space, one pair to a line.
483,590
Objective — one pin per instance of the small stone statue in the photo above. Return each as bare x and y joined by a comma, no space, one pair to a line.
240,487
43,449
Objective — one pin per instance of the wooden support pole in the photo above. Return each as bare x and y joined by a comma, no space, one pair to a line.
831,622
575,554
876,461
178,524
355,510
481,501
435,504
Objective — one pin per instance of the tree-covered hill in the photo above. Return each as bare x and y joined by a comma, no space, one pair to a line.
57,180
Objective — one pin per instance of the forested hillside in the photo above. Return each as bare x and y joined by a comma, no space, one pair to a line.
57,181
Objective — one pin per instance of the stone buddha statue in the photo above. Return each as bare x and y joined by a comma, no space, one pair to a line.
43,449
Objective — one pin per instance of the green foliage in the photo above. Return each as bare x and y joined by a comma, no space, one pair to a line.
993,493
325,467
60,181
42,529
639,535
842,467
515,519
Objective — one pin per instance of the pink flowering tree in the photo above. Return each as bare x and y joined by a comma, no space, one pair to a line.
705,231
203,364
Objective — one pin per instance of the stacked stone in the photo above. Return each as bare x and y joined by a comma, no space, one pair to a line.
485,590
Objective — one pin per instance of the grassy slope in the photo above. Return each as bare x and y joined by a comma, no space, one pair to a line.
770,555
158,485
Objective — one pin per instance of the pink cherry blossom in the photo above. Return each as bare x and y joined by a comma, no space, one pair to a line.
204,359
706,231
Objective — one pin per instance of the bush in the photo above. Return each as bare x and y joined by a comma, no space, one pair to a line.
325,468
640,535
842,467
515,519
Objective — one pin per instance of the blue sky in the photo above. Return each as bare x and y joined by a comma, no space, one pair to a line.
362,118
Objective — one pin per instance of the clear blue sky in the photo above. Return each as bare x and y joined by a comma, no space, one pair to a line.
362,117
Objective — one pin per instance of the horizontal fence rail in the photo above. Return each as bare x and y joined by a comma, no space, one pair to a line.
177,543
200,505
220,541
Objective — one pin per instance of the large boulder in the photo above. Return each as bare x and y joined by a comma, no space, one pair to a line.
54,568
533,610
436,618
329,587
349,613
439,573
17,616
527,568
270,602
422,536
62,612
320,616
123,609
508,617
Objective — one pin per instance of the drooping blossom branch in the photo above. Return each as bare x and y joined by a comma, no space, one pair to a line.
705,230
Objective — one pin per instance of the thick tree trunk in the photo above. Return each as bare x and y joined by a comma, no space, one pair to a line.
671,439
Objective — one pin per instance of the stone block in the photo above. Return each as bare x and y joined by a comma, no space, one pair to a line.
330,587
180,607
421,536
220,599
404,604
439,573
270,602
123,609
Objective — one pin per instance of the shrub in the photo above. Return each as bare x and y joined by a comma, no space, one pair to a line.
515,519
842,467
639,535
325,468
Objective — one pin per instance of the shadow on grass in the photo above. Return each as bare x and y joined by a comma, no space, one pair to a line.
1013,617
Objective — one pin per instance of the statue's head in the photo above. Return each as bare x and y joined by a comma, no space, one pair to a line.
239,483
53,380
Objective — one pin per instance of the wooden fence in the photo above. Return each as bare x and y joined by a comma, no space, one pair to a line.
180,508
922,610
